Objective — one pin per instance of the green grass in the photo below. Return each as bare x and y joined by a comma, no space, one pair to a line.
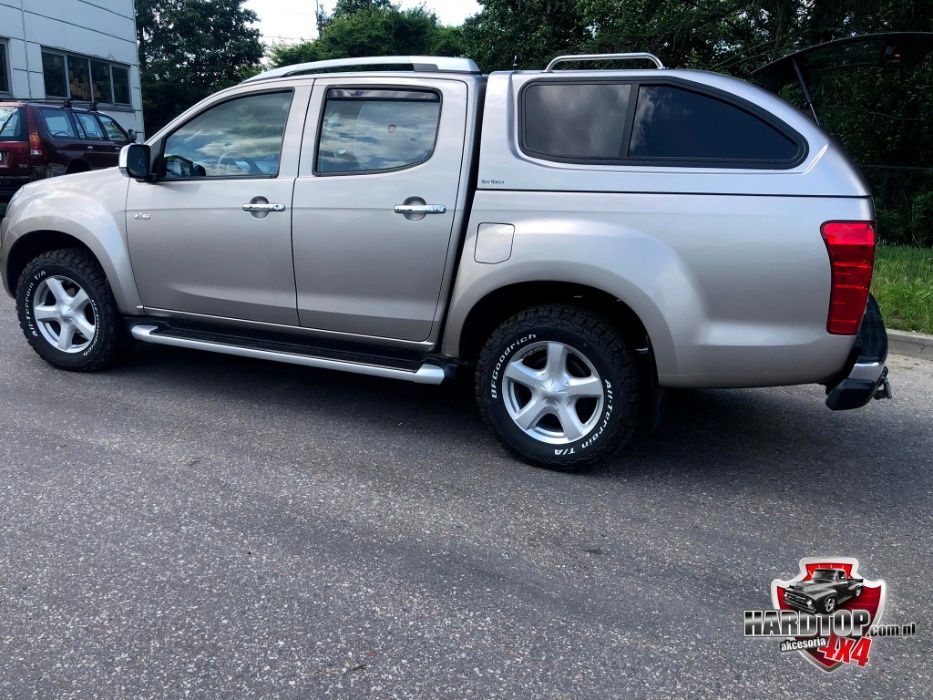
903,285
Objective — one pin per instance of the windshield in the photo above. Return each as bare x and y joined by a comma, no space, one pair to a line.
824,575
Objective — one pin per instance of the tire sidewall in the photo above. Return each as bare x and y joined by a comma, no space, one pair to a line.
493,390
31,281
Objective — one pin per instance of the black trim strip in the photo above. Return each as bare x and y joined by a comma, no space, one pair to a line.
692,194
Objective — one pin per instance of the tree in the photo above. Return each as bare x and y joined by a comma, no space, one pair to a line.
190,49
524,32
377,28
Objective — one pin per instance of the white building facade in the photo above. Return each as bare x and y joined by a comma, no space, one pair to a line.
82,50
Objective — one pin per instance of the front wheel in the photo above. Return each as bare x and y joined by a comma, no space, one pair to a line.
68,313
559,387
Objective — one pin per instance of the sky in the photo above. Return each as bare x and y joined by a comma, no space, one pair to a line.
288,21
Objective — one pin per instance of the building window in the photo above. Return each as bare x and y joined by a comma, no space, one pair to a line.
4,69
69,76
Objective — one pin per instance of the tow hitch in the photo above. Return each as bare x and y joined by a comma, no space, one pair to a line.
883,390
867,377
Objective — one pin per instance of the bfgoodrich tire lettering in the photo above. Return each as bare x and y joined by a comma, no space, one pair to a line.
595,363
109,338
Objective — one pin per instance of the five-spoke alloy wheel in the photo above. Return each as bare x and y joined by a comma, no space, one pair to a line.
559,386
553,392
63,314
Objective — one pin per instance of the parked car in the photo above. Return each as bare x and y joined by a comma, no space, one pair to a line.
827,589
579,240
44,139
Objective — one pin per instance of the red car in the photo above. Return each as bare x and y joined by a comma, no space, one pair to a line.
44,139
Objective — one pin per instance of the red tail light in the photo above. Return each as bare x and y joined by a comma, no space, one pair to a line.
851,246
35,144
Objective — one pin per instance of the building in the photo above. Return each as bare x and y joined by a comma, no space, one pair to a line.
83,50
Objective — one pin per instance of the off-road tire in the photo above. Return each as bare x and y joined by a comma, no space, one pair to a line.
111,339
602,345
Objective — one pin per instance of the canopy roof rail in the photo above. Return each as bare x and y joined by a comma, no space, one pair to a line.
424,64
577,58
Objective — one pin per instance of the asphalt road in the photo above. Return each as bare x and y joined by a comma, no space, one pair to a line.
194,525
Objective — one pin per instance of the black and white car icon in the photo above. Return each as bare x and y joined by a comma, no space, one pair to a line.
824,592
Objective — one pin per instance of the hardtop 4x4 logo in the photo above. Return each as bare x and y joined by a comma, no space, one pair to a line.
828,613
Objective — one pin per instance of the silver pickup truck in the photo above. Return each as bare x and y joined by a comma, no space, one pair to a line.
578,239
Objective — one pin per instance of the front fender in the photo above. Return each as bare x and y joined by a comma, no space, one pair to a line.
90,208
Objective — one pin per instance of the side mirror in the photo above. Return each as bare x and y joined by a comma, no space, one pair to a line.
135,161
132,135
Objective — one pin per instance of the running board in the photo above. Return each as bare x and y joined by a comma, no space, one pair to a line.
425,374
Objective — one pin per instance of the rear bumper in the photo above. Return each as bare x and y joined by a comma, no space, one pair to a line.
866,377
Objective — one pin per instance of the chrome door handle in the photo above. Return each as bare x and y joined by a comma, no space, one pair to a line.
263,206
420,209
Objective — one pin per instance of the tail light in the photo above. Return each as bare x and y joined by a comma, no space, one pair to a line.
851,246
35,144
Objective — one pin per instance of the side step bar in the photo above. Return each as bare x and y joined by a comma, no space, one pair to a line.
426,374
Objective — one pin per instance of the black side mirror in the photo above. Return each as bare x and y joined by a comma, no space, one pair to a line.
132,135
136,160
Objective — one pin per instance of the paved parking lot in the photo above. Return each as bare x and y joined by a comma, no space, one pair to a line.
194,524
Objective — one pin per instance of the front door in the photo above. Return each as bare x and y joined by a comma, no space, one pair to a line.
212,236
99,151
375,204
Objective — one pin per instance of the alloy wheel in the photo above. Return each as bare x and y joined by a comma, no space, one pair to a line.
553,393
64,314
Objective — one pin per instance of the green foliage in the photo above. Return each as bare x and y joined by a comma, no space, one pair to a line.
902,286
373,28
189,49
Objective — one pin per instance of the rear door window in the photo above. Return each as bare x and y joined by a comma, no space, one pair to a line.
677,124
58,123
371,131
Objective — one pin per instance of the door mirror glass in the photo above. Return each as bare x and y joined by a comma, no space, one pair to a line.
135,160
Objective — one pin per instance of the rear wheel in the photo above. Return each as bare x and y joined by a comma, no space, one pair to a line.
559,387
68,313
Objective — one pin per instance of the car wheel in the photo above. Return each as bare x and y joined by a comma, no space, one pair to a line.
858,592
68,313
829,604
559,386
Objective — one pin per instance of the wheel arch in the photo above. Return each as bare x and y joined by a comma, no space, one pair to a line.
500,304
29,245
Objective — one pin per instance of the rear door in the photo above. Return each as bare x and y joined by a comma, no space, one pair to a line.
64,143
375,202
